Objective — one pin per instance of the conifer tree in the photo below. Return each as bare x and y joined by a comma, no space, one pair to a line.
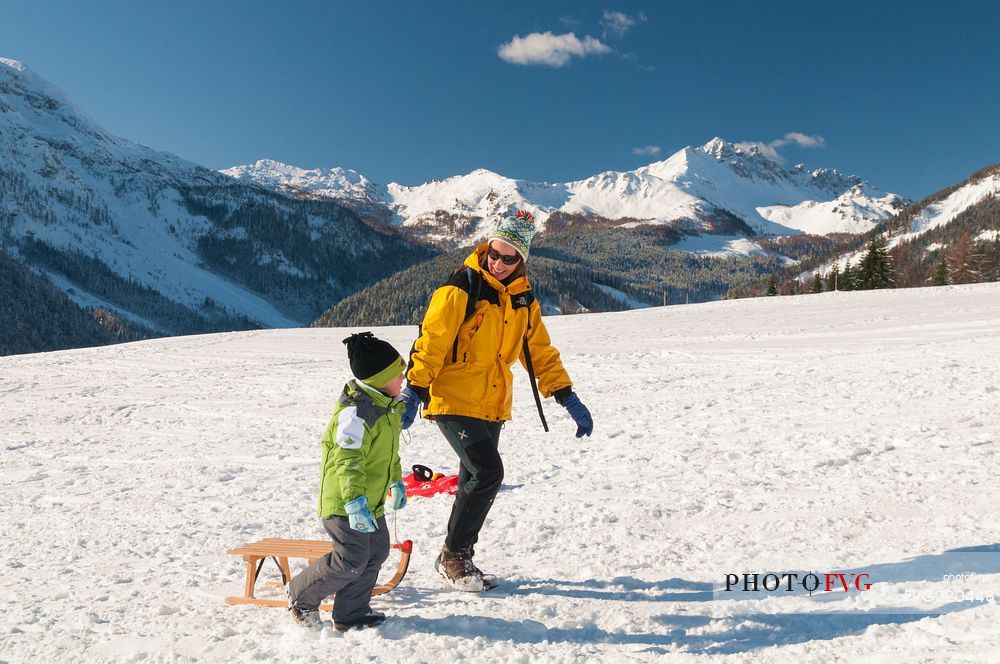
875,269
940,275
772,285
817,284
847,278
993,260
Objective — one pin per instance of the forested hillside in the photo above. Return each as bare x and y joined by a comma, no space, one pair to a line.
592,268
37,316
935,242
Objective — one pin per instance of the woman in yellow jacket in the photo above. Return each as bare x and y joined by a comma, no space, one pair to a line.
476,326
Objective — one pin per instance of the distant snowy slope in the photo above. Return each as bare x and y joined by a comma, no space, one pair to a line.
855,211
942,212
695,186
343,185
851,432
938,212
141,230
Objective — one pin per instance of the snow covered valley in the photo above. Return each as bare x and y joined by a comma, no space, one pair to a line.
842,432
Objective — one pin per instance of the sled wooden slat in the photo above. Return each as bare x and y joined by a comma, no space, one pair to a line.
283,549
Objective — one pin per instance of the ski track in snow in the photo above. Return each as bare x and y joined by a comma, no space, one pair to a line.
856,430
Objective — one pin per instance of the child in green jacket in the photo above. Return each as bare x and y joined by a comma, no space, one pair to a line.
360,473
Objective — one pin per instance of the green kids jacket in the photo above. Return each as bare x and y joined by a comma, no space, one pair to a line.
360,450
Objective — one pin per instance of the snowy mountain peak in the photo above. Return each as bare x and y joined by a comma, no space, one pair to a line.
485,172
832,180
695,184
721,149
745,159
340,184
32,98
13,64
39,122
279,173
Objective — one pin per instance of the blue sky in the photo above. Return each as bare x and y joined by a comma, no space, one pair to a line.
904,94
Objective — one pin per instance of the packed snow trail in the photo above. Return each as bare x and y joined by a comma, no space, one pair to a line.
843,431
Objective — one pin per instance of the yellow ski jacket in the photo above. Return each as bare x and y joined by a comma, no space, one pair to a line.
465,364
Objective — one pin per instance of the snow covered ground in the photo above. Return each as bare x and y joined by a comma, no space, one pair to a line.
842,431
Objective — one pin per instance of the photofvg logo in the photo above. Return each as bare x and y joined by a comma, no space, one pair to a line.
931,584
791,582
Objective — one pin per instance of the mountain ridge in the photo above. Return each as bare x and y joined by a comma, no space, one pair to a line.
693,184
922,235
118,225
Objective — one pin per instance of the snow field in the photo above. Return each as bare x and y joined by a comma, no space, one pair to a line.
841,431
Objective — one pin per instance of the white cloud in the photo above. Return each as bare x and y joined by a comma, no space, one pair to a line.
618,23
545,48
804,140
770,149
649,150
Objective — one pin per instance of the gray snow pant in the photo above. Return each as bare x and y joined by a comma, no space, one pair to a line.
348,572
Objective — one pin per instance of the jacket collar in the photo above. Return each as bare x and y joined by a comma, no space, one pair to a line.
519,285
379,398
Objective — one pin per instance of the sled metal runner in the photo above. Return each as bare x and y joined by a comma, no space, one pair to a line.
280,550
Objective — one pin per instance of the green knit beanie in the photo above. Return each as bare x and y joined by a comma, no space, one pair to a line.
516,231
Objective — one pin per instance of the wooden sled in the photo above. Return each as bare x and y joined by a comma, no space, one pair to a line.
280,550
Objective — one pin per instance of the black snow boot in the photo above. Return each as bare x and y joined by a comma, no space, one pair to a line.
371,619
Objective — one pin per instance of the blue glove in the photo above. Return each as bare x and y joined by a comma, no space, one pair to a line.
359,516
412,401
580,415
397,495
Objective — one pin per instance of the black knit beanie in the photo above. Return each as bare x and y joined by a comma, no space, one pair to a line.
373,361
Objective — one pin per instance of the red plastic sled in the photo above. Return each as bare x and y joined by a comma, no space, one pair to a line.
422,482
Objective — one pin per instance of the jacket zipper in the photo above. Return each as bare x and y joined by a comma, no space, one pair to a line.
500,370
393,451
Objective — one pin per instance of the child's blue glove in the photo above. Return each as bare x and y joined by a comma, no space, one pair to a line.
412,401
397,495
579,413
359,516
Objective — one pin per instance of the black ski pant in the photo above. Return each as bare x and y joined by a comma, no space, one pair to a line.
476,444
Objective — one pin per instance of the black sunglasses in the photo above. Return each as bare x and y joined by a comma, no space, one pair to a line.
497,256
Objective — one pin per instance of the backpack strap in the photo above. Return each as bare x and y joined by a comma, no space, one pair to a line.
475,288
531,375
